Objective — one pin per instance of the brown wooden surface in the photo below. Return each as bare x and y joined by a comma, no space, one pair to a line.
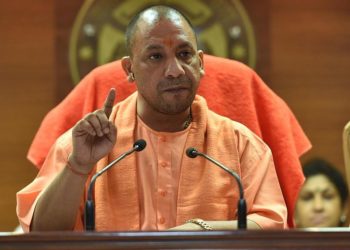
178,240
303,54
310,62
27,91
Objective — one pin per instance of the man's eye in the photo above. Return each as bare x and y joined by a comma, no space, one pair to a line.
185,54
155,56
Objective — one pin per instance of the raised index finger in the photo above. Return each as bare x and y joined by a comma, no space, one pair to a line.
108,105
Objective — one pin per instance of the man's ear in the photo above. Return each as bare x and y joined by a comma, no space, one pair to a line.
201,62
126,64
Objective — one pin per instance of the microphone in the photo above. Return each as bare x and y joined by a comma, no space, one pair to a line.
241,205
89,217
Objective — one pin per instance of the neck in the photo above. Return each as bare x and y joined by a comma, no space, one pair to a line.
165,122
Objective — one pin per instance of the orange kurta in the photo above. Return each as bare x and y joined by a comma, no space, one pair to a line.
158,171
230,88
204,190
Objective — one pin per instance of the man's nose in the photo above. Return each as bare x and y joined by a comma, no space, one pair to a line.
174,68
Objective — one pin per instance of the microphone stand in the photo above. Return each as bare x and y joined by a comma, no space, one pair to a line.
241,204
89,217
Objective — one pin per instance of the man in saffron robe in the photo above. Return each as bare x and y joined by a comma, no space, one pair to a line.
159,188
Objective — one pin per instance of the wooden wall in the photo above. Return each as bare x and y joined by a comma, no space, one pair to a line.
27,90
303,54
310,62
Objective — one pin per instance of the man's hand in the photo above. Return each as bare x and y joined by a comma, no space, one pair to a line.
93,137
215,225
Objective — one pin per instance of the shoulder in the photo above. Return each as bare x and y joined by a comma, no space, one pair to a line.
243,136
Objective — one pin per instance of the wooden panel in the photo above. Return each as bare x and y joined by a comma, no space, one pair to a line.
259,14
27,90
63,28
310,61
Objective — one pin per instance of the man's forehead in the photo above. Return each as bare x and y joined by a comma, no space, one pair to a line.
151,19
164,31
157,28
169,42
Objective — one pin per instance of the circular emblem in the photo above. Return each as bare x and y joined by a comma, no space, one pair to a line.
222,26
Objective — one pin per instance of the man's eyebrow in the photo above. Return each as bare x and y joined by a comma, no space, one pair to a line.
153,47
158,46
185,45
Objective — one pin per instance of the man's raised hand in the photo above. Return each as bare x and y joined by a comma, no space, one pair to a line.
93,137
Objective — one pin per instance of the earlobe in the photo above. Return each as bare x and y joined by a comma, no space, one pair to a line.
131,77
126,64
201,64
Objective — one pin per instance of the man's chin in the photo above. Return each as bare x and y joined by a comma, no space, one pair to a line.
177,106
174,109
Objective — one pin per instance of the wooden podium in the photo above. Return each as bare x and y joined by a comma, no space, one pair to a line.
288,239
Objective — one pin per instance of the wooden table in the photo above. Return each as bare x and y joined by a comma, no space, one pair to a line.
287,239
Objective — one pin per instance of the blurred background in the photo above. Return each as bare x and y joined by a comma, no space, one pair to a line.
300,48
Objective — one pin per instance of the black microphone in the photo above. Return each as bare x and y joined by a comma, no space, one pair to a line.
89,217
241,205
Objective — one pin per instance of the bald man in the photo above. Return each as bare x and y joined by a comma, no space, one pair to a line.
159,188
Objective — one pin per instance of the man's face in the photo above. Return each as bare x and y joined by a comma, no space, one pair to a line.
166,65
319,204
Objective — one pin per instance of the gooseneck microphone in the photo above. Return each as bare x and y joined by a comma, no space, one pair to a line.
241,205
89,217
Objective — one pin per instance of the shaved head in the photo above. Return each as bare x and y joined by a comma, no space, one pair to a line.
151,16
